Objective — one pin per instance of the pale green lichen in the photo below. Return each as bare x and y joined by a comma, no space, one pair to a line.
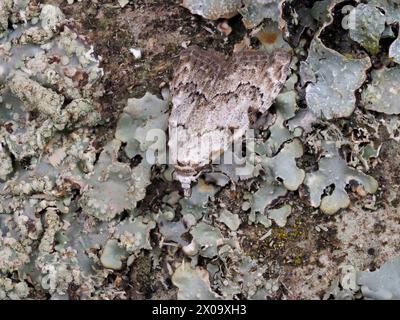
213,9
333,171
255,11
6,167
382,93
232,221
394,50
322,10
10,11
286,106
195,205
206,239
369,24
5,10
13,254
390,7
51,17
134,234
280,215
244,276
52,222
173,230
37,98
114,186
382,284
282,167
113,255
266,195
58,272
193,283
140,120
12,290
330,94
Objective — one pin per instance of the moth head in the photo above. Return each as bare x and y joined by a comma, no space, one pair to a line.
186,175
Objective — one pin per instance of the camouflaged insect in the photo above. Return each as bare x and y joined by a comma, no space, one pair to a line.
216,100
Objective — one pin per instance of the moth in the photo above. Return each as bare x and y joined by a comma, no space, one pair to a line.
215,101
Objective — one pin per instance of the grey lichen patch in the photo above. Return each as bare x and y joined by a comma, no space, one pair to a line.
193,283
333,173
206,239
279,132
37,98
51,17
346,287
69,42
113,255
13,290
390,7
369,24
243,276
232,221
81,113
394,50
56,275
139,122
382,284
58,272
56,178
283,166
53,225
266,195
114,186
39,76
13,254
335,79
382,93
6,166
173,230
213,9
322,11
196,204
134,234
255,11
5,11
280,215
12,11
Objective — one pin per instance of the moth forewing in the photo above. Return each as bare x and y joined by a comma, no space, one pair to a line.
211,102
